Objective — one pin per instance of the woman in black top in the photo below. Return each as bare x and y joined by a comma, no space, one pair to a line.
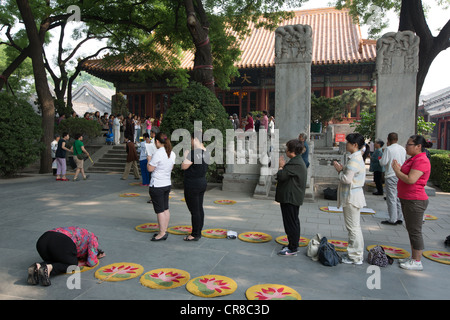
195,165
60,155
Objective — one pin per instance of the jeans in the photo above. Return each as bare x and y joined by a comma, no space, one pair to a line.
144,172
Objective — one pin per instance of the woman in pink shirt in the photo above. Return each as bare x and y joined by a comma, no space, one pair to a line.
412,179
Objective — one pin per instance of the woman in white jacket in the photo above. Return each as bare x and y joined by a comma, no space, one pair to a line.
352,177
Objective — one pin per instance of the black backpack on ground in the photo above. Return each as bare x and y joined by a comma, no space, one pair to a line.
327,254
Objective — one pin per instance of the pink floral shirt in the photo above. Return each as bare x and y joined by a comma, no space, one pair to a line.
85,241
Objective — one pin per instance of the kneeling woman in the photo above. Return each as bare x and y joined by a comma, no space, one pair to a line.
161,166
61,248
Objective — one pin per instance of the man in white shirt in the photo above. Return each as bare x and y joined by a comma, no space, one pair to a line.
392,152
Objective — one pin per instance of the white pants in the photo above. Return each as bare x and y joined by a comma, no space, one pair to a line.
393,202
117,135
352,219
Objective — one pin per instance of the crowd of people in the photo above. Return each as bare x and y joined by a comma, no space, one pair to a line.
405,171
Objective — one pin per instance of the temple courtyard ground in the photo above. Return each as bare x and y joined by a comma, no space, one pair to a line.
33,204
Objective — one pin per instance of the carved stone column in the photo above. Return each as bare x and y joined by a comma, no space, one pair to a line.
397,66
293,56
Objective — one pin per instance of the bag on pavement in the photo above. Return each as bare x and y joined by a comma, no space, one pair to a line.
378,257
312,249
327,254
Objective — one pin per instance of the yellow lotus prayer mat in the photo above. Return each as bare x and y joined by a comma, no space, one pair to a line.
210,286
272,292
129,195
215,233
183,230
165,278
119,271
393,252
225,202
148,227
255,237
339,245
340,210
83,267
438,256
283,240
430,217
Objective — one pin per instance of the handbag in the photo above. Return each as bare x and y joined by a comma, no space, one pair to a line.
82,156
327,254
313,247
378,257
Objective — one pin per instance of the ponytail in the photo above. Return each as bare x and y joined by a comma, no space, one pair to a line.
164,140
418,139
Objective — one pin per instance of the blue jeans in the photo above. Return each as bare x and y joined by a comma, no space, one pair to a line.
144,172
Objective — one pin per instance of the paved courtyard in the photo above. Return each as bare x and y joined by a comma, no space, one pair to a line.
34,204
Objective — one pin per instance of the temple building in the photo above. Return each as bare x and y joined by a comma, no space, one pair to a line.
341,60
435,107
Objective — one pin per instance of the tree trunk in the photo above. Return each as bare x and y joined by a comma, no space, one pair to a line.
198,25
412,18
13,66
40,79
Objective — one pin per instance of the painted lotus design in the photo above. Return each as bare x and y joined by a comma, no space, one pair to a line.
216,232
441,256
256,236
274,294
148,227
123,271
166,279
212,285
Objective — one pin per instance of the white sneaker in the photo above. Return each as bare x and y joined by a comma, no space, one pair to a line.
412,264
347,260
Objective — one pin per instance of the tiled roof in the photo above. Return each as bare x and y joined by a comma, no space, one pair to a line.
336,40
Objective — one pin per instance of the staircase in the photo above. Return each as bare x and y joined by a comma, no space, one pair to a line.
109,159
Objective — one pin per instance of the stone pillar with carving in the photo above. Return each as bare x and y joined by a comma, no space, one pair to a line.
293,56
397,66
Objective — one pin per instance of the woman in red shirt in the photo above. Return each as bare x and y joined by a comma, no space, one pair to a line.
413,176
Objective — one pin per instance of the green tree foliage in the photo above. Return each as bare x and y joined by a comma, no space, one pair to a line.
88,128
20,129
365,125
324,109
366,99
196,103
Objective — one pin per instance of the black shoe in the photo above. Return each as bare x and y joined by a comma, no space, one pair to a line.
33,276
377,194
192,239
44,279
164,237
388,222
399,222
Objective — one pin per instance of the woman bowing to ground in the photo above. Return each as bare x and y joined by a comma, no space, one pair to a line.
61,248
195,165
161,166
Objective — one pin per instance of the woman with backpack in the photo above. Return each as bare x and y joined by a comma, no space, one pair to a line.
352,177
